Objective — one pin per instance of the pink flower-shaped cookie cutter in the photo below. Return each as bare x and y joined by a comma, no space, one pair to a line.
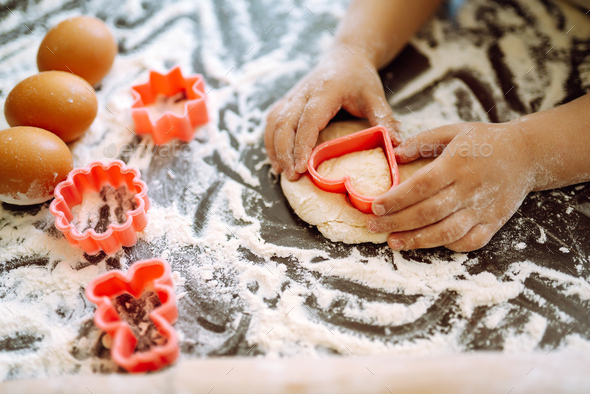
143,275
80,181
170,125
363,140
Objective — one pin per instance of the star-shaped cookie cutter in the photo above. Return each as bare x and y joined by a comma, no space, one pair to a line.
170,125
92,178
153,275
374,137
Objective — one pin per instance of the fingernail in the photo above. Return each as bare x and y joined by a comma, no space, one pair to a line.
290,173
378,210
396,244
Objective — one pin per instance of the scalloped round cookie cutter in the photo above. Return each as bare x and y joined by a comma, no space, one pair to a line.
154,275
92,178
170,126
371,138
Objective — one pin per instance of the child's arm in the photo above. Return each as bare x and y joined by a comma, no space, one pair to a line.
559,143
486,170
372,33
379,29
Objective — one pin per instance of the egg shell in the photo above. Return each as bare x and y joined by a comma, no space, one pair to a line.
32,162
56,101
82,45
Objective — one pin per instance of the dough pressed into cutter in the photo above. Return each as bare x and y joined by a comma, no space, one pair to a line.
368,170
332,213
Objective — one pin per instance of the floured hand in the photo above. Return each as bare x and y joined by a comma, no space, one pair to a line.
342,80
372,33
460,200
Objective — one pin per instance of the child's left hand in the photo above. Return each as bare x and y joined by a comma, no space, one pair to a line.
464,196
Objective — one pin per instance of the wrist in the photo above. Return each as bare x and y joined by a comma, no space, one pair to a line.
528,149
360,51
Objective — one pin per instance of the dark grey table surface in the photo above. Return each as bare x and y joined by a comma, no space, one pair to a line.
543,210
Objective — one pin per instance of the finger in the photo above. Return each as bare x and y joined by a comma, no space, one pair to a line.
284,137
429,211
376,109
444,232
316,115
425,183
269,133
476,238
429,143
425,144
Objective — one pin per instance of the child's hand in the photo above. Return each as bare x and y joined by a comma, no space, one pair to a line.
372,33
342,80
465,195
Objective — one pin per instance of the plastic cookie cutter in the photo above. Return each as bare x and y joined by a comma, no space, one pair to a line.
146,275
362,140
170,125
80,181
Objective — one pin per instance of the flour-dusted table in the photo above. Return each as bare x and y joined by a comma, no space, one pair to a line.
218,320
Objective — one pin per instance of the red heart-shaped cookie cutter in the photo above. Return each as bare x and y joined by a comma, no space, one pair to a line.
152,274
374,137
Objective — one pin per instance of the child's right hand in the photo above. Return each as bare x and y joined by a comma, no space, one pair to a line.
341,80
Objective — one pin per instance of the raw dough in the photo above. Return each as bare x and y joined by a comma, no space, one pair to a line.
333,215
368,170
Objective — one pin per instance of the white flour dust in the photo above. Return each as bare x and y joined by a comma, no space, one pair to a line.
163,104
43,313
98,210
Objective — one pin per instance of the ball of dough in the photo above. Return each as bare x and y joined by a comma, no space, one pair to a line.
332,213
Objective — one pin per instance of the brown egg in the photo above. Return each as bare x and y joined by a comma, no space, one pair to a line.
82,45
57,101
32,162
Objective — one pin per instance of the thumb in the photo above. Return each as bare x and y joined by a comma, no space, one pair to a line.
376,109
429,143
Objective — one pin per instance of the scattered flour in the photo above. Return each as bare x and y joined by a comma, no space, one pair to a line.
528,339
497,314
163,104
98,210
46,302
543,237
